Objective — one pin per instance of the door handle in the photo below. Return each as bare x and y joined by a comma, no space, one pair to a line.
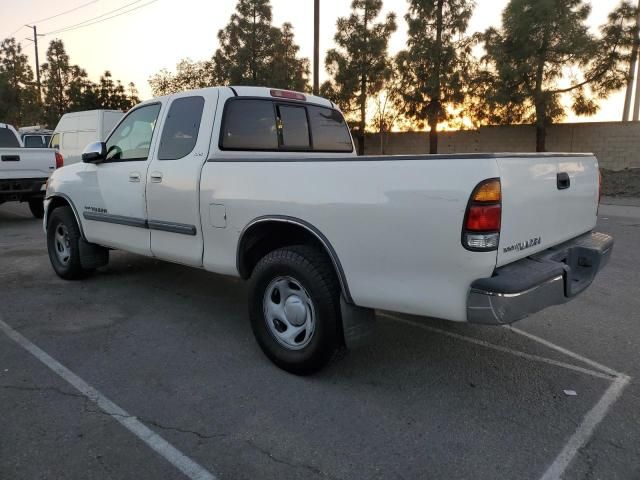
563,181
134,177
156,177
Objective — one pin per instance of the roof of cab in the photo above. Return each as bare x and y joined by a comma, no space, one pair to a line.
244,91
266,92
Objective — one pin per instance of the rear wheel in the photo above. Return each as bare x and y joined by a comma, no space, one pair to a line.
63,244
294,308
36,205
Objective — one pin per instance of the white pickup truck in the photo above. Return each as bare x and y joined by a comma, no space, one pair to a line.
24,171
265,185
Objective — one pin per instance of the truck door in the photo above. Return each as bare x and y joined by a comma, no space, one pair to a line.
173,184
113,201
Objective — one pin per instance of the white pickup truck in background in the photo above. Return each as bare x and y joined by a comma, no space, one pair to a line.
24,171
265,185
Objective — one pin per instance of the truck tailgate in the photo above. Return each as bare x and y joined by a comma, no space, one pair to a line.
547,199
18,163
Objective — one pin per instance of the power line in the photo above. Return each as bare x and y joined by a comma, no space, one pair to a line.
65,12
52,16
99,19
91,20
15,31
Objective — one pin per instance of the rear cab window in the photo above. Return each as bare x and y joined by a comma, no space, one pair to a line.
34,141
251,124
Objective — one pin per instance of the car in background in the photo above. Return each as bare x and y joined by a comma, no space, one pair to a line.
35,136
24,171
78,129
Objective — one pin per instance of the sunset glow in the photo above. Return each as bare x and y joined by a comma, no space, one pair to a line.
157,35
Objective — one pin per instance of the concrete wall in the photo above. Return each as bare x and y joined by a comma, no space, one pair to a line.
616,144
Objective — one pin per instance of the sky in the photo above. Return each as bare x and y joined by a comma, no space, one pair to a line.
158,33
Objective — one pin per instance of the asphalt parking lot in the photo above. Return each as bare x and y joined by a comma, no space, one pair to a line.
171,349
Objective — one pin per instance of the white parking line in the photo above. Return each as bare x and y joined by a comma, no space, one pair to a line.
566,352
179,460
584,432
591,420
500,348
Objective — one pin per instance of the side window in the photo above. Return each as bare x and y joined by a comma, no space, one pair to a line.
131,140
249,125
329,130
293,127
180,132
55,141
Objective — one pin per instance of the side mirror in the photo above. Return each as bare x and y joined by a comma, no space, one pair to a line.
95,153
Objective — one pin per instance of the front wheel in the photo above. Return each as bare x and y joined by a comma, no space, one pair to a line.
63,244
36,205
294,308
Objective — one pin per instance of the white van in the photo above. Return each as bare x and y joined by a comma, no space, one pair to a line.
78,129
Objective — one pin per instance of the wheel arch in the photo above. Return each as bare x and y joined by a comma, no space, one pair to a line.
58,200
267,233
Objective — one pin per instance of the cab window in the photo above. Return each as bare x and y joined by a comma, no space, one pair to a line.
293,127
249,125
34,141
180,132
131,140
8,139
55,141
267,125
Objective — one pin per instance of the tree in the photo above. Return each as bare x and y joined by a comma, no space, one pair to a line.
525,79
189,75
360,64
289,71
390,107
68,89
56,77
436,61
81,92
112,95
162,83
253,52
18,94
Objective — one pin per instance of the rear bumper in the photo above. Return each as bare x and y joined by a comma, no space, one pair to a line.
551,277
21,188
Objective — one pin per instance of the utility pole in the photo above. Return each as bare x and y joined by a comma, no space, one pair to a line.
316,47
632,74
35,43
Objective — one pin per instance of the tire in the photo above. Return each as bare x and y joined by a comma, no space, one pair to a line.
36,205
63,244
305,276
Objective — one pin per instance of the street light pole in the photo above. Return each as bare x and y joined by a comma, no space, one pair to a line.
316,47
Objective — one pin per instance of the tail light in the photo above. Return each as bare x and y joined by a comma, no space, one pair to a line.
59,160
599,187
481,228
